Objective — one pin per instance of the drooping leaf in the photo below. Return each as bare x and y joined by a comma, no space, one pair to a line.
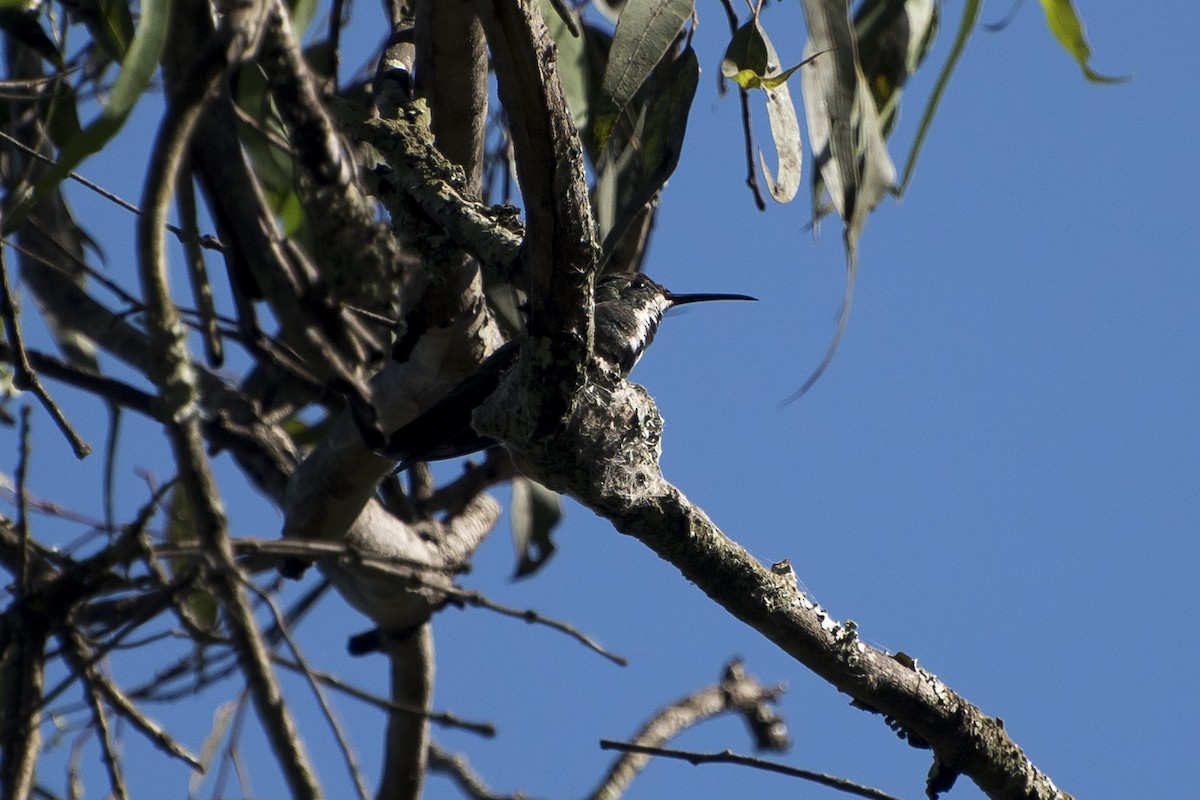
635,167
223,717
574,65
785,132
893,38
181,529
847,142
1064,22
535,512
24,25
785,127
137,68
645,30
970,17
751,61
273,165
61,117
110,23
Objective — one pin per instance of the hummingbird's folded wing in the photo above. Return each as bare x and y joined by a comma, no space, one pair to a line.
444,429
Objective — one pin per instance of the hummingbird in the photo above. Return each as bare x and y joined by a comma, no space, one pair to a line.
628,309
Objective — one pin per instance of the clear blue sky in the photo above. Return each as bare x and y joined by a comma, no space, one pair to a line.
999,474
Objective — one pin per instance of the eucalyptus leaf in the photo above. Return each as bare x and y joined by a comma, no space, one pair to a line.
24,26
634,169
785,130
1064,22
645,31
535,512
137,68
574,65
847,142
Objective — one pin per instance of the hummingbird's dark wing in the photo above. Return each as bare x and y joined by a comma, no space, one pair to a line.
444,429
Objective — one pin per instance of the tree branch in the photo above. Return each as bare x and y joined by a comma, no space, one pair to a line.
603,448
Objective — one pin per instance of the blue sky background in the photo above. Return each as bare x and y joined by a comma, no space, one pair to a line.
999,474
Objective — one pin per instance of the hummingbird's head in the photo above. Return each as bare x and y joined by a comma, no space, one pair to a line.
629,307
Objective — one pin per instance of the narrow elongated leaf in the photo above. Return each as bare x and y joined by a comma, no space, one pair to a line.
847,143
138,67
629,178
785,130
574,66
535,512
893,39
25,26
970,16
829,84
645,30
111,22
1064,22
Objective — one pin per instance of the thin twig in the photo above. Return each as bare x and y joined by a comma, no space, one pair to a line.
175,378
108,747
533,617
444,718
110,467
25,377
460,772
208,240
312,549
727,757
23,505
79,263
202,292
747,129
335,725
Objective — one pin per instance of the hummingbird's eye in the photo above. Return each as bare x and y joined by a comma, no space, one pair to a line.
637,283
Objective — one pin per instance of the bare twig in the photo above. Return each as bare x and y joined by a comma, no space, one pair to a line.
172,372
22,499
202,291
335,725
469,782
442,718
207,240
832,781
25,377
108,746
99,685
738,692
533,617
747,122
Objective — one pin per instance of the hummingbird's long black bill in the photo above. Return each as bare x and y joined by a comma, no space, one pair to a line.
684,299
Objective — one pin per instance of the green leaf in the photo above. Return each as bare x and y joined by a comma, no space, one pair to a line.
785,129
632,170
970,16
645,30
1063,21
745,60
847,142
893,38
24,26
111,24
138,67
843,125
751,61
534,513
181,529
574,66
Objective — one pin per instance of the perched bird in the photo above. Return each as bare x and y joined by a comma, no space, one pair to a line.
628,310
